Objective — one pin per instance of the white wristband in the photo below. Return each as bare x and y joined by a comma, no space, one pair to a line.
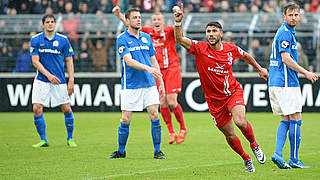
177,23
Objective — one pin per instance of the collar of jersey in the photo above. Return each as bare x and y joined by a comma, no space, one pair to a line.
290,29
45,37
140,34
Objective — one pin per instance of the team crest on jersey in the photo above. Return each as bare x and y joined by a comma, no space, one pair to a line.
195,42
121,49
55,43
144,40
284,44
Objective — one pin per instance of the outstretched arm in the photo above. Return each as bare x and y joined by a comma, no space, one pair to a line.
178,34
263,73
116,11
286,59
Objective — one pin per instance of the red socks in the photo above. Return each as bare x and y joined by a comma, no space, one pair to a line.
248,133
178,113
237,147
166,115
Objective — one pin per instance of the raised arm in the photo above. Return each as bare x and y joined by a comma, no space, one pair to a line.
116,11
286,59
263,73
178,34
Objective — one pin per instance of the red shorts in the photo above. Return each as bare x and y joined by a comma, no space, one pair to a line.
220,110
172,80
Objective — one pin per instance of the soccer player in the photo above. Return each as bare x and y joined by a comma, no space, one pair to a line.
223,92
138,86
48,50
284,90
167,57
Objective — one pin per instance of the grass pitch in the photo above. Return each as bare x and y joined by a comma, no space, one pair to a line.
204,155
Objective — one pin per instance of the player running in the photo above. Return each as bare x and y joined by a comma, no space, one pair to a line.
222,91
167,57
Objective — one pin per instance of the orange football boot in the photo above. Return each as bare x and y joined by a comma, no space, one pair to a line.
172,137
182,136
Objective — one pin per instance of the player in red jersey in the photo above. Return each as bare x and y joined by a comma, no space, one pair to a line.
222,91
167,57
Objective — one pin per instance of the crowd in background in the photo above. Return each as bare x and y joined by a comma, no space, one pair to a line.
95,49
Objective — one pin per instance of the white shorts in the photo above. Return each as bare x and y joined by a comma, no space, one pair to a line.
138,99
48,94
285,100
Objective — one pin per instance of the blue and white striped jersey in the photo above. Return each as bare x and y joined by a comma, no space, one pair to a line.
141,50
51,53
279,74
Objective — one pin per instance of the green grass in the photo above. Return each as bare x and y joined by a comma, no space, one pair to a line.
204,155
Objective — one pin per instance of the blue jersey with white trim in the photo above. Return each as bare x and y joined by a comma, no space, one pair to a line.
279,74
141,50
51,53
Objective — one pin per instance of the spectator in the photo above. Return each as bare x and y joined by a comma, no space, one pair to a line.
84,63
71,28
6,59
242,8
302,57
58,7
258,53
99,52
23,61
314,6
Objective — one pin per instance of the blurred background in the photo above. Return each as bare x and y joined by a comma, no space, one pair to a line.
92,29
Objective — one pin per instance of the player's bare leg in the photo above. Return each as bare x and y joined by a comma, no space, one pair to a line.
235,143
238,114
167,118
177,110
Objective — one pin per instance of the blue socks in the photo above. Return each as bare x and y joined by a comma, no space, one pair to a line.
69,122
123,133
156,134
281,137
295,138
40,124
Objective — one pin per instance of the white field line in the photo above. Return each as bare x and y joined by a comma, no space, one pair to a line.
182,167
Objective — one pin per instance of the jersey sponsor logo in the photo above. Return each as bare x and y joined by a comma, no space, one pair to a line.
273,63
121,49
55,43
144,40
137,48
130,42
285,44
41,44
31,50
55,51
218,69
195,42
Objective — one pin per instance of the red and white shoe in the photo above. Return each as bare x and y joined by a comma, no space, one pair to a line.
182,136
172,137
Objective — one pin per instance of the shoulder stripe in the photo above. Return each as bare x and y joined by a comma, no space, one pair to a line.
120,34
62,35
36,35
285,28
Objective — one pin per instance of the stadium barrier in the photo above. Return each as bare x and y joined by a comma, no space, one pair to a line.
100,92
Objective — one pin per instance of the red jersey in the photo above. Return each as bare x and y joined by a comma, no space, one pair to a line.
165,45
215,68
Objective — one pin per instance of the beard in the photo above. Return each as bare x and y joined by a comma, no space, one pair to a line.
214,42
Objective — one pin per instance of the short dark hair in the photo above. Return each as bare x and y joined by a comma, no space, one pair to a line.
214,23
48,16
128,12
290,6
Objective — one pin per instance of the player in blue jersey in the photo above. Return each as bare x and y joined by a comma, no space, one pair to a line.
138,86
284,90
48,50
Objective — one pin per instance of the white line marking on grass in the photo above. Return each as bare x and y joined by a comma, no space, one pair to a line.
165,169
